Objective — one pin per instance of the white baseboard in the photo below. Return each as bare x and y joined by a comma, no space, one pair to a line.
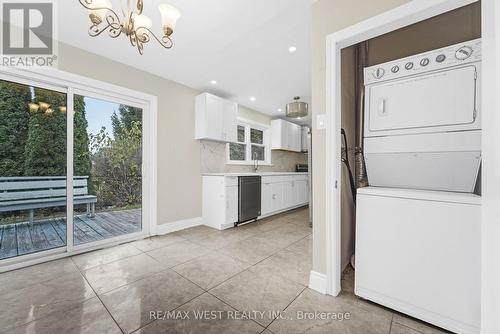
178,225
317,282
284,210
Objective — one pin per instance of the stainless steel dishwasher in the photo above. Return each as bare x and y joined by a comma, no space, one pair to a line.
249,198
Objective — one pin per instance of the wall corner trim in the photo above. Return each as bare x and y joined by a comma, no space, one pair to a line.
317,282
178,225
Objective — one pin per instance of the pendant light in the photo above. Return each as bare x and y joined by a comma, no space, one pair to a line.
297,109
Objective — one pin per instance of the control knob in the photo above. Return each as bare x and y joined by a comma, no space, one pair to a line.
464,52
409,65
440,58
425,62
379,73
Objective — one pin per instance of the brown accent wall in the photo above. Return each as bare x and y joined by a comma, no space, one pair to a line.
454,27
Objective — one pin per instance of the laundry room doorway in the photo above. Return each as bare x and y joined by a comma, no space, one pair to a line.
343,48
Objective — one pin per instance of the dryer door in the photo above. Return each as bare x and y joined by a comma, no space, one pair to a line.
435,102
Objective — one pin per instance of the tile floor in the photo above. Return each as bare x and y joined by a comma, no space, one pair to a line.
252,279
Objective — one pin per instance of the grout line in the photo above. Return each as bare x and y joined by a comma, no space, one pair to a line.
390,327
126,256
223,301
103,264
98,297
147,238
161,270
297,296
205,290
175,308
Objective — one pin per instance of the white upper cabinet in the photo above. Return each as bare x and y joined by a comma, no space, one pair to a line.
215,118
286,136
306,139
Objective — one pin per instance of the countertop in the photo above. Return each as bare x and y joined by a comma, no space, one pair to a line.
251,174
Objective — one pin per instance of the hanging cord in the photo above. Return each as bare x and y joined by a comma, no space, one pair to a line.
345,160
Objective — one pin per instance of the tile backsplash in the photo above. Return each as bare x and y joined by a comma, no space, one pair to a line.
213,160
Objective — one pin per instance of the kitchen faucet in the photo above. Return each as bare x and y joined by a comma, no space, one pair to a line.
255,162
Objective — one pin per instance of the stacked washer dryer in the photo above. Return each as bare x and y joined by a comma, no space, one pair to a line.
418,223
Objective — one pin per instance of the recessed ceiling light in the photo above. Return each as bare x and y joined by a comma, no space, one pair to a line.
252,98
292,49
280,110
213,82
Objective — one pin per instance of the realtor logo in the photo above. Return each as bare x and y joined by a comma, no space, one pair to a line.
28,33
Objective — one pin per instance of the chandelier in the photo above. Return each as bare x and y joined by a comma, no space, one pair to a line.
134,24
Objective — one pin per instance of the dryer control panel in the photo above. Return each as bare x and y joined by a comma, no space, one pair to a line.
463,53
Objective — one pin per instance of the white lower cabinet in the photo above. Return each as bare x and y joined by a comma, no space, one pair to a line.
302,190
267,198
231,204
290,195
220,201
279,193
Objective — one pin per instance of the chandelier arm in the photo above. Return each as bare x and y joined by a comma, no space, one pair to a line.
113,26
139,6
137,42
165,41
87,5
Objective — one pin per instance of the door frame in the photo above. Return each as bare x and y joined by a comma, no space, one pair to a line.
75,84
399,17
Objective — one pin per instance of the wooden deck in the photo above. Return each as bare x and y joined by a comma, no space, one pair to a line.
23,238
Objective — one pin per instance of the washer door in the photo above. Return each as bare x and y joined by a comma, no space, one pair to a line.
435,102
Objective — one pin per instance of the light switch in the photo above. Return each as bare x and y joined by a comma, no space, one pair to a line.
321,122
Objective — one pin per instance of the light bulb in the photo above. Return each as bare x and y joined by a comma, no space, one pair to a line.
169,17
142,21
103,6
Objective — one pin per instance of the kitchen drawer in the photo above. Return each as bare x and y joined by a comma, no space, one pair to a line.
231,181
269,179
272,179
300,177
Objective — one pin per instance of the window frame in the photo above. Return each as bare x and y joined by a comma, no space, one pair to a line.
266,143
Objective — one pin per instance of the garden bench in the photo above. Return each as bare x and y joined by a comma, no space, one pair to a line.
34,192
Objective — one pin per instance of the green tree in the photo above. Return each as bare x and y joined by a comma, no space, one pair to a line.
82,163
125,119
45,153
117,166
14,119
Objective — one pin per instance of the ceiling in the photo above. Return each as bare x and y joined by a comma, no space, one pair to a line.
242,44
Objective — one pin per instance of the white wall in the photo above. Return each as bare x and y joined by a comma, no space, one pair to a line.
330,16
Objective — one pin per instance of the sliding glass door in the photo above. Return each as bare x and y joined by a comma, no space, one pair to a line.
71,169
33,137
107,164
